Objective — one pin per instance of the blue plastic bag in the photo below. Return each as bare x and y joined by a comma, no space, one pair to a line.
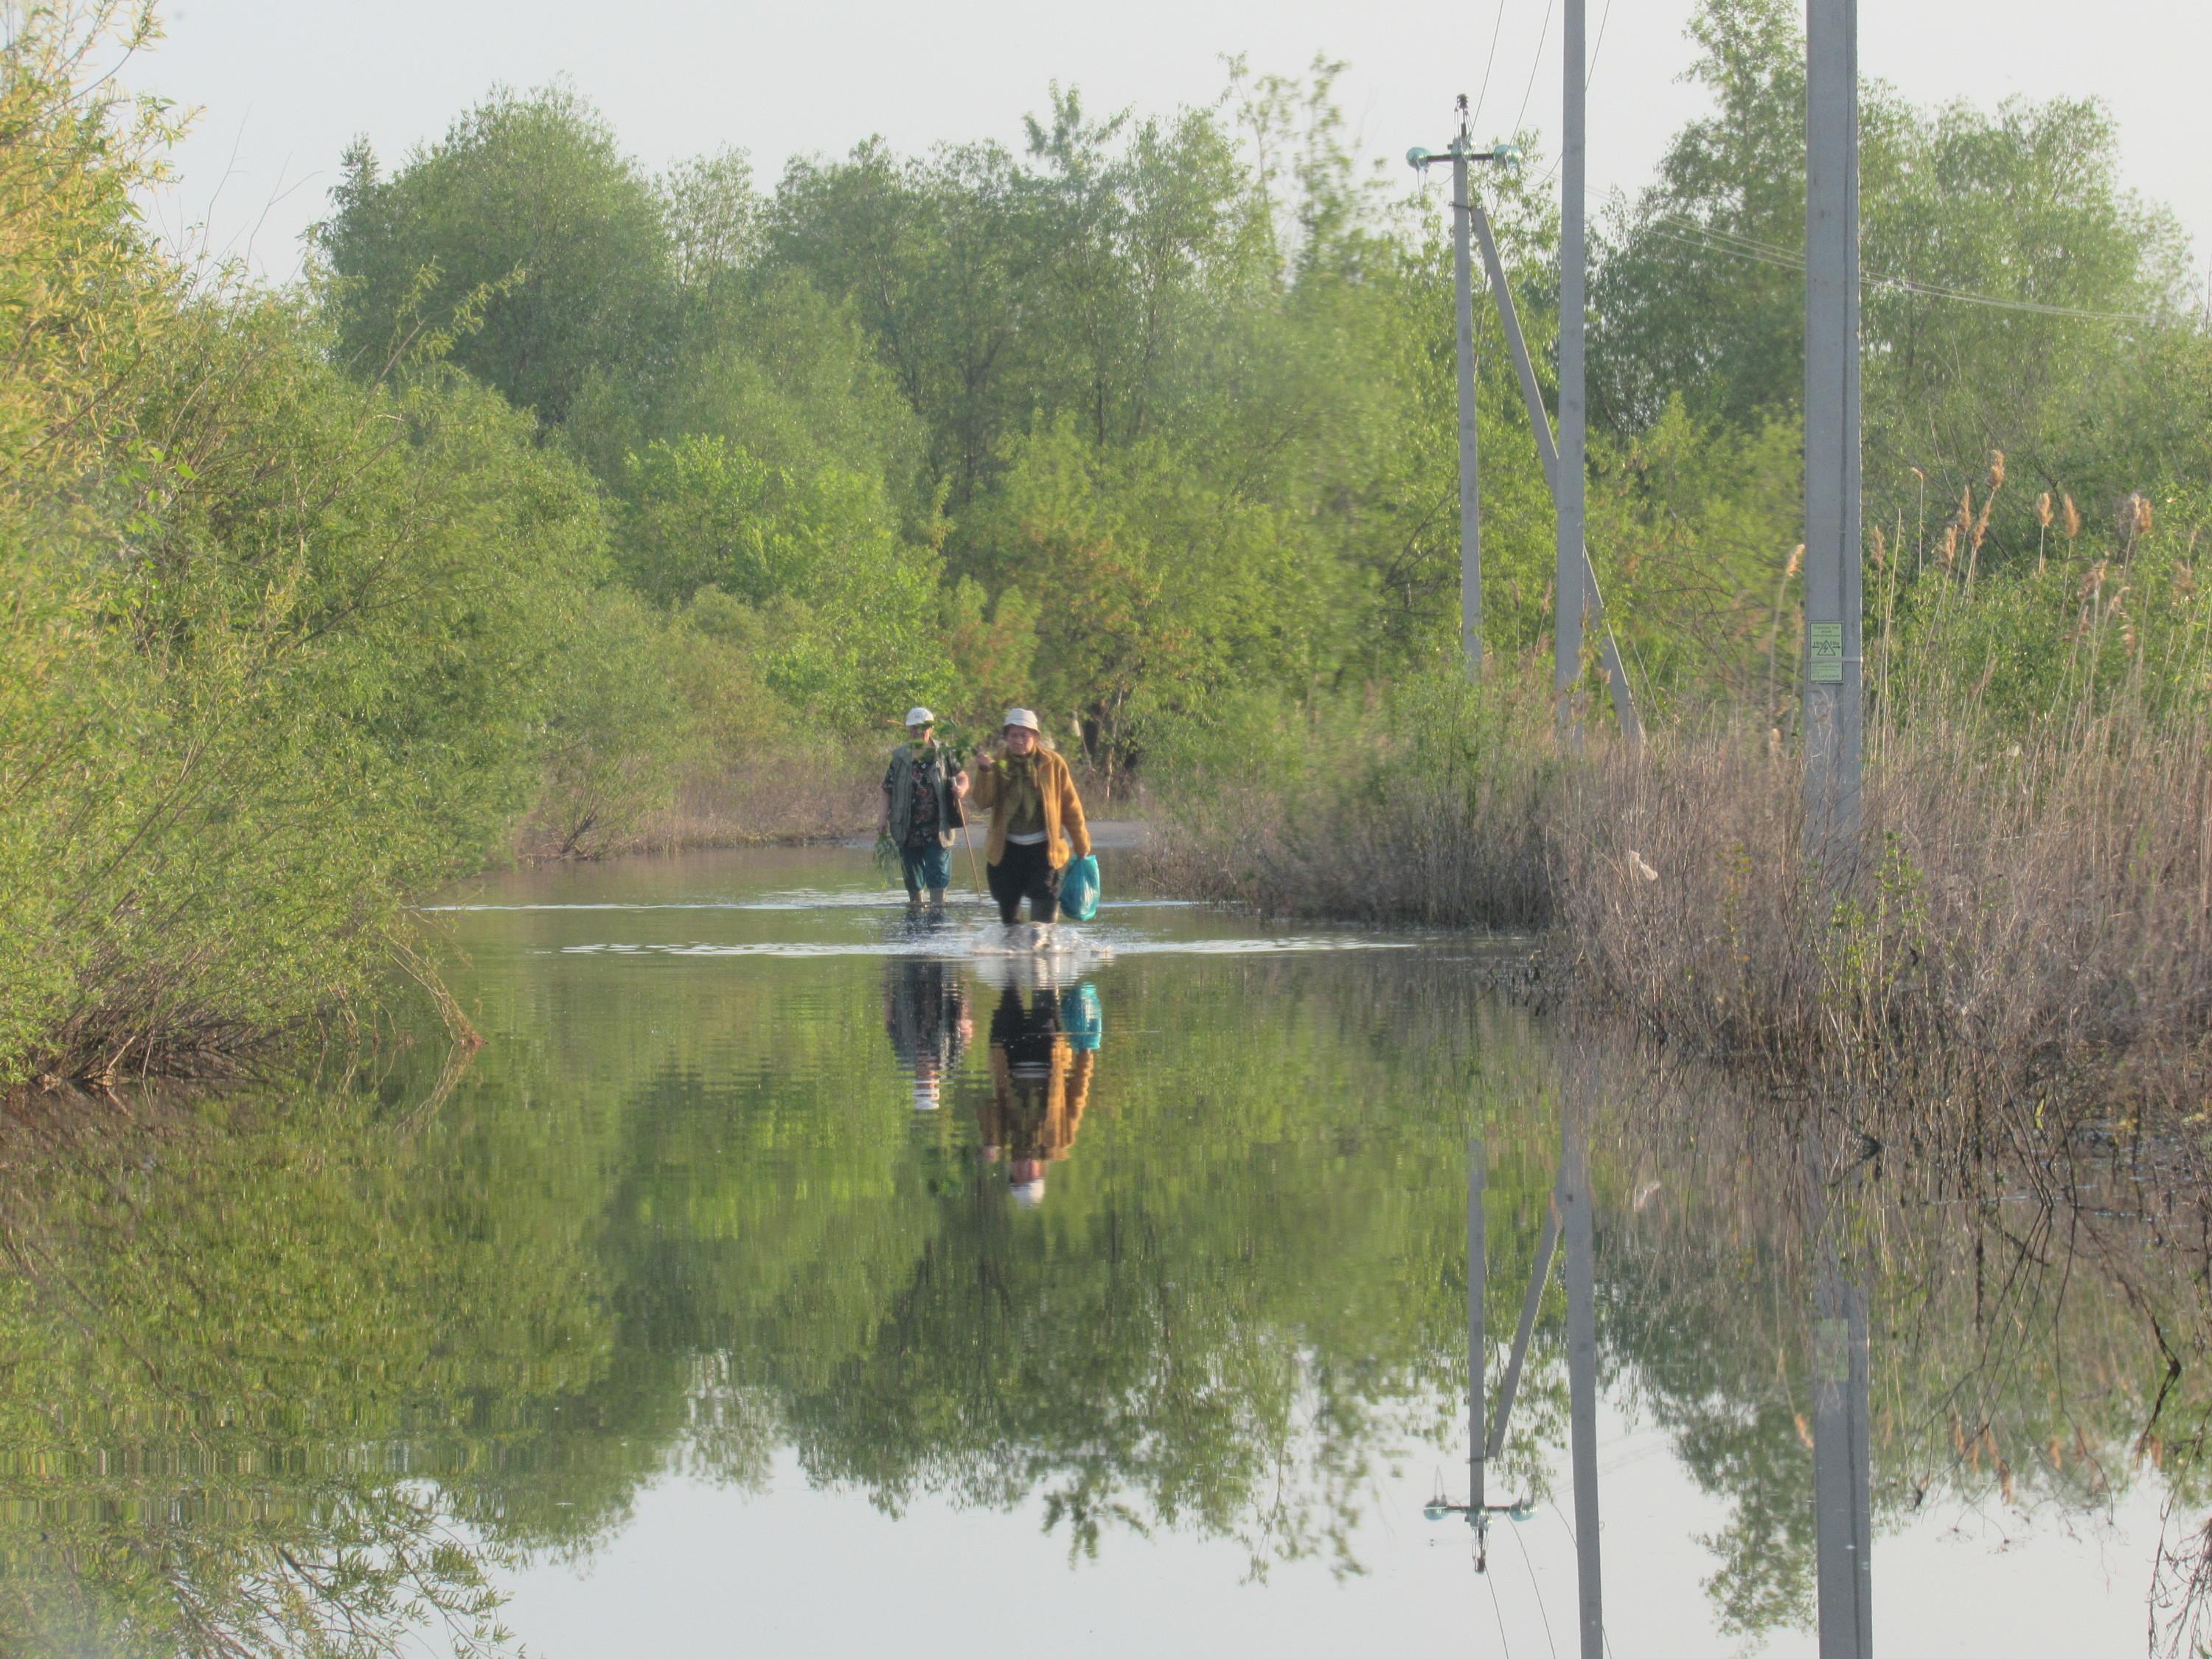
1082,1019
1079,889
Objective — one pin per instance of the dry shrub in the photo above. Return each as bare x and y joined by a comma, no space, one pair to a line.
1427,807
826,796
2019,908
769,796
2021,911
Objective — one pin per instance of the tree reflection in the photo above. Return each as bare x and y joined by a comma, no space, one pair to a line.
291,1374
218,1339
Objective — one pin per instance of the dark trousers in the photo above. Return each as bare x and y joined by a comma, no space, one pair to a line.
1025,873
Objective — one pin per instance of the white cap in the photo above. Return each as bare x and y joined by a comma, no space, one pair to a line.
1019,717
1028,1194
918,715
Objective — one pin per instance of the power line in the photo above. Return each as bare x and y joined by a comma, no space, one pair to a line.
1488,64
1543,34
1589,74
1530,1564
1746,247
1589,71
1496,1612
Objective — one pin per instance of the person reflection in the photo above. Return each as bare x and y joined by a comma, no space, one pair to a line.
1044,1044
925,1011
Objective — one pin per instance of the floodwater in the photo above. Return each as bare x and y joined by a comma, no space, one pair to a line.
787,1277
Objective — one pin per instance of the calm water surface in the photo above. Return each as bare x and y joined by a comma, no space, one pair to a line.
783,1277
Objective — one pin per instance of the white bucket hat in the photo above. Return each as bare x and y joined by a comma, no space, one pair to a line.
1019,717
918,715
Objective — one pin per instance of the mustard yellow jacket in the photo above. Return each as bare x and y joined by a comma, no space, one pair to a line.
1066,834
1037,1117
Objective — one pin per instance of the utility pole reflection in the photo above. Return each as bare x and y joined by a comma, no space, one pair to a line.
1568,1216
1483,1447
1575,1222
1842,1525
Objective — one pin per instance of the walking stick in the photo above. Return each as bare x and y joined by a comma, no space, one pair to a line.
973,869
968,823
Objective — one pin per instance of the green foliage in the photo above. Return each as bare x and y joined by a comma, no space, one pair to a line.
1689,513
842,609
618,723
527,195
2018,297
771,366
280,662
564,487
991,644
1148,580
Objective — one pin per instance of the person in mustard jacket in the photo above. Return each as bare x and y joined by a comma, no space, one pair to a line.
1036,819
1040,1089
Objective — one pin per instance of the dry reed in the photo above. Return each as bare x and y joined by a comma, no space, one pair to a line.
2024,910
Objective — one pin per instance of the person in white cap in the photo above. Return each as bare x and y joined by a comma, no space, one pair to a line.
1036,819
920,792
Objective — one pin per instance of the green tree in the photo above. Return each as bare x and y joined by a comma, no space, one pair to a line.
528,202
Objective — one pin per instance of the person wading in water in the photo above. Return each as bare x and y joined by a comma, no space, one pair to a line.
1036,820
920,792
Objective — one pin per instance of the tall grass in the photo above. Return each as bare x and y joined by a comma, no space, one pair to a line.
2031,900
1428,802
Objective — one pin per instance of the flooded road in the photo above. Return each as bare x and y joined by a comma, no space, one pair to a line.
789,1276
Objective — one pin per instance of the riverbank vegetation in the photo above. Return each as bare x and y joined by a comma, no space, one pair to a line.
564,507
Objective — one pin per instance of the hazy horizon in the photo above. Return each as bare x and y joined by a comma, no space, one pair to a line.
283,89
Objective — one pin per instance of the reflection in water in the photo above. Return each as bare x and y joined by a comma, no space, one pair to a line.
925,1011
1044,1044
319,1357
1842,1384
1569,1214
1045,1037
1578,1228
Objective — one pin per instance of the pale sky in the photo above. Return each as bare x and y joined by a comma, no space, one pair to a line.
284,84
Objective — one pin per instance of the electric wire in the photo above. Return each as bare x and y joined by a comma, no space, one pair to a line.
1589,74
1543,34
1589,71
1604,1634
1489,63
1746,247
1528,1563
1496,1612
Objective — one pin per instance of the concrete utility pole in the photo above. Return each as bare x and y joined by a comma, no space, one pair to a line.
1470,489
1574,412
1834,707
1461,152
